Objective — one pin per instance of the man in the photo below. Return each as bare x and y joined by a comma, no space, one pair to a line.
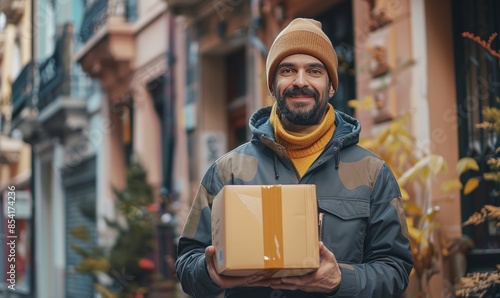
364,247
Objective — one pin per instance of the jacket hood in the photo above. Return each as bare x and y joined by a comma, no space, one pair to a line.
346,133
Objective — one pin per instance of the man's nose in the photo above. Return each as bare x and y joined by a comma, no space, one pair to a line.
300,79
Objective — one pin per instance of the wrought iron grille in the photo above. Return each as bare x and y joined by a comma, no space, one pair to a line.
478,86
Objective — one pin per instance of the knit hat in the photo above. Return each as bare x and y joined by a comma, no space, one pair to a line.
302,36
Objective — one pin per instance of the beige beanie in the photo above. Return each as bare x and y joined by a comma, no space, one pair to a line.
302,36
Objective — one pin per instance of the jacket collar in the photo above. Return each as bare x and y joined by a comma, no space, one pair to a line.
346,133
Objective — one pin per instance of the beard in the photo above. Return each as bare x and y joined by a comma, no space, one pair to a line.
300,115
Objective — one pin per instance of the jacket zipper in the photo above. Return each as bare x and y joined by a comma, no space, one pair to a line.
320,223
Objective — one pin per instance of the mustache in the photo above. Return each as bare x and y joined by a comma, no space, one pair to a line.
300,91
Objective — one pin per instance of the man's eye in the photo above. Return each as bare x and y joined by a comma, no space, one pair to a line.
286,70
315,71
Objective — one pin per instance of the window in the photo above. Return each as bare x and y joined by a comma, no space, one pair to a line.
131,10
478,86
235,95
236,75
338,25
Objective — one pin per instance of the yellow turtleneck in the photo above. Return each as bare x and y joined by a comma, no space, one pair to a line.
303,149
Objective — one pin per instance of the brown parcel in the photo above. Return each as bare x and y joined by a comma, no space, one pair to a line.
271,228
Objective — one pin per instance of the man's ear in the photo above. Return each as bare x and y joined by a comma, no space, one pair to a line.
332,91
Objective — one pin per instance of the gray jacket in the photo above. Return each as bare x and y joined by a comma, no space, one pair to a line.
361,214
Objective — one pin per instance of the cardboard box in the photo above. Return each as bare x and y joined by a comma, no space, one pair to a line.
271,228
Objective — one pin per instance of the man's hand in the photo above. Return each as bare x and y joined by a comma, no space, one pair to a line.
226,282
324,280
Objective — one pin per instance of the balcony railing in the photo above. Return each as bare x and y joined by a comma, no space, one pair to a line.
109,52
55,77
23,89
95,17
97,14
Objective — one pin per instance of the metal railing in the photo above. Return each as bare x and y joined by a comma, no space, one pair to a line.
23,89
99,11
55,78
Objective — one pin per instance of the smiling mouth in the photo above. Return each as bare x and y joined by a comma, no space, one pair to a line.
301,97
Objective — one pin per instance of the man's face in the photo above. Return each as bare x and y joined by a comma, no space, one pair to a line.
302,89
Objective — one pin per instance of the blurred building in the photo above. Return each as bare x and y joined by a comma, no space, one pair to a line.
16,220
50,113
129,48
91,92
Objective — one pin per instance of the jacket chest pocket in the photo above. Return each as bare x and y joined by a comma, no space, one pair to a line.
343,227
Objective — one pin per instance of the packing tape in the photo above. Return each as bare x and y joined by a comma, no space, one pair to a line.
272,226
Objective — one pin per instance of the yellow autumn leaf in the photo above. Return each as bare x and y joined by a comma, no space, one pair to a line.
493,176
465,164
367,144
382,136
471,185
353,103
399,129
403,157
409,221
408,145
430,214
451,185
80,232
417,236
437,164
104,291
413,209
394,147
449,199
404,194
367,103
425,172
414,232
423,167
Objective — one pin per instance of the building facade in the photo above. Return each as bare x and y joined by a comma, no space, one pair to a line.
16,216
129,48
92,90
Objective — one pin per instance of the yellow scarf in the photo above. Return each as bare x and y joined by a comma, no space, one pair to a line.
303,149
